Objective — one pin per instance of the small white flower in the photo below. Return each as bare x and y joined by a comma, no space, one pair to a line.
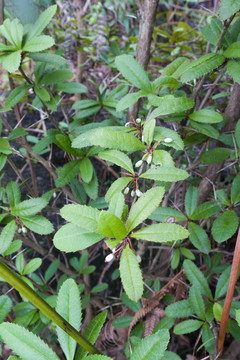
149,159
138,120
126,191
139,163
109,257
132,193
24,230
138,258
138,193
168,140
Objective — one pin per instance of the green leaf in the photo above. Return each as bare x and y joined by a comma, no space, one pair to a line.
108,138
42,93
237,134
233,69
84,104
191,200
134,306
164,213
225,226
13,193
28,207
179,309
69,307
187,326
205,129
16,133
91,188
5,147
129,100
116,205
205,210
16,95
42,22
197,302
56,76
37,224
99,288
206,116
196,277
202,66
131,275
133,72
5,306
169,105
199,238
111,226
163,158
217,155
144,206
165,174
176,67
122,322
175,259
67,173
51,270
169,355
152,347
208,338
162,232
25,344
161,133
87,112
71,238
39,43
91,333
49,58
14,247
235,190
228,8
117,186
118,158
148,131
86,217
12,61
86,170
71,88
222,284
98,357
7,235
233,51
32,266
212,32
168,81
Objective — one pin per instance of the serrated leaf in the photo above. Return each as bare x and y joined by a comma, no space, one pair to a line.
98,357
133,72
158,173
12,61
111,226
129,100
162,232
69,307
174,69
37,224
168,81
67,173
49,58
217,155
205,210
91,188
116,205
233,69
110,139
237,134
235,190
71,238
39,43
206,116
5,147
163,158
225,226
179,309
228,8
144,206
86,217
5,306
42,93
197,302
199,238
28,207
187,326
71,88
7,235
13,193
84,104
169,105
91,333
202,66
161,133
148,131
196,277
191,200
14,247
131,275
205,129
119,158
152,347
212,32
208,339
16,133
56,76
222,284
16,95
32,266
42,22
25,344
164,213
86,170
117,186
233,51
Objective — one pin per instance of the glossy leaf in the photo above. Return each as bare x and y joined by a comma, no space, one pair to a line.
217,155
111,226
32,266
86,217
206,116
117,186
158,173
162,232
86,170
165,213
169,105
225,226
117,157
205,210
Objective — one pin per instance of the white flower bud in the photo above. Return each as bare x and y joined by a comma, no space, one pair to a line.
168,140
138,193
109,257
138,120
24,230
126,191
138,258
19,230
132,193
142,138
54,195
139,163
149,159
127,124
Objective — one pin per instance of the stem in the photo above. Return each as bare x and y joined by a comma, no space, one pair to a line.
16,282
